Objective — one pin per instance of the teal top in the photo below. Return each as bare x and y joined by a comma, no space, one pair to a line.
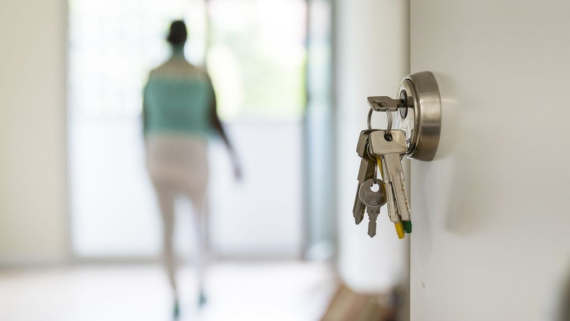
178,99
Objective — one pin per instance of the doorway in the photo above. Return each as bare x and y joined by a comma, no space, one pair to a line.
257,53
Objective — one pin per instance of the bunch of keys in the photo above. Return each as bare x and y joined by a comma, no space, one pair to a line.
382,149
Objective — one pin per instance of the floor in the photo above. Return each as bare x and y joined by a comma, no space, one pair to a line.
237,291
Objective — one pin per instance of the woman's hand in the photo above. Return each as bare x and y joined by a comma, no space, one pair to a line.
238,173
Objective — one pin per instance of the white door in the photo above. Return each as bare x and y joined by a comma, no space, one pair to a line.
491,234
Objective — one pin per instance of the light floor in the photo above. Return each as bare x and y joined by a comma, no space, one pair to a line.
237,291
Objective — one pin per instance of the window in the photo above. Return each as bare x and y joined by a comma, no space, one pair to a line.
256,58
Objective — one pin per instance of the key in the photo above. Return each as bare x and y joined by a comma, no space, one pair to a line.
392,210
373,201
367,165
391,149
384,103
358,208
366,172
400,229
406,226
363,142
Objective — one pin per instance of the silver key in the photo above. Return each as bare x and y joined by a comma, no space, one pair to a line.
366,171
392,210
373,201
363,142
391,151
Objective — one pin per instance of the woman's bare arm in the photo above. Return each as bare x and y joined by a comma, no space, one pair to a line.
217,124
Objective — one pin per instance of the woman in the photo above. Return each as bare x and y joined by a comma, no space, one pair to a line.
179,113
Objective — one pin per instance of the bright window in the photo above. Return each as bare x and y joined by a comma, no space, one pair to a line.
114,44
257,57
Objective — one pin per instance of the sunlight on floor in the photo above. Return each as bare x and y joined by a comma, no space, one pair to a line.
236,291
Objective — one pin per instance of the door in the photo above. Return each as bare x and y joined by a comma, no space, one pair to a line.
491,217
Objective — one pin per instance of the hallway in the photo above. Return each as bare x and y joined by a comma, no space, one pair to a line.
280,291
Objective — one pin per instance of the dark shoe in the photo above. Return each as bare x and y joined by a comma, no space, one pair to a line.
176,310
202,300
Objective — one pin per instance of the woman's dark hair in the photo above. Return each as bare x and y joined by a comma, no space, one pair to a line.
178,33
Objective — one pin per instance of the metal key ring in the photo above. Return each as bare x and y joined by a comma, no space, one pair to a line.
369,120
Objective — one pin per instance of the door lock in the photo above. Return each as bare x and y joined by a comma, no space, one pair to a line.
419,116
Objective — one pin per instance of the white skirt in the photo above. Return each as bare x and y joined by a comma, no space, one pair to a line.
178,161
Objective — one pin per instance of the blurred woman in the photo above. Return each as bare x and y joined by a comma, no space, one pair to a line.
179,114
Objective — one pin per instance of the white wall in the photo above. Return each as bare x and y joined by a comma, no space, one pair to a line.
373,57
32,131
491,237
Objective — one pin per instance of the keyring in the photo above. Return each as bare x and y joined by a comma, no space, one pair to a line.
369,120
389,129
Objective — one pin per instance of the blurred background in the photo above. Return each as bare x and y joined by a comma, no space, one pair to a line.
80,235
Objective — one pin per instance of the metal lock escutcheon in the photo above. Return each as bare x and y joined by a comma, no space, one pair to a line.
419,113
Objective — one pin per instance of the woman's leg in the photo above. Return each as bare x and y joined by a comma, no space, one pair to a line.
195,184
166,195
199,205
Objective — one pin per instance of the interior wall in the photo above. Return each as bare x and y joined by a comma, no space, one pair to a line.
33,224
490,235
372,55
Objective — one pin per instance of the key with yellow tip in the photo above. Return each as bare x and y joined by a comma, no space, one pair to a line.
400,229
392,209
407,225
379,162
